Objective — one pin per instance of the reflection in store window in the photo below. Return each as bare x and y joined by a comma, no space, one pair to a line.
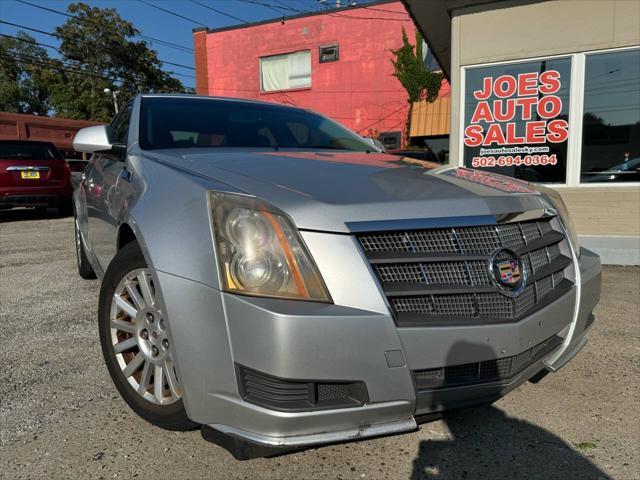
611,122
516,119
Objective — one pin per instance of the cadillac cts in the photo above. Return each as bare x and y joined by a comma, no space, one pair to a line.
270,278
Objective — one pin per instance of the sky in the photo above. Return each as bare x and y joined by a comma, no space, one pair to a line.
156,23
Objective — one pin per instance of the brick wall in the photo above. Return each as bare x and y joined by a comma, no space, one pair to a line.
604,210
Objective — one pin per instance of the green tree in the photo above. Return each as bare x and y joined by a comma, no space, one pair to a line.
99,43
409,69
25,75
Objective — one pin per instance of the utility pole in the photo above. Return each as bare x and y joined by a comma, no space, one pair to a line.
114,94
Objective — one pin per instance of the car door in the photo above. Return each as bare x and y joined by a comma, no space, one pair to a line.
101,184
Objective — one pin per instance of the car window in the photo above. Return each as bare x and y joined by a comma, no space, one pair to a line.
167,122
29,151
120,126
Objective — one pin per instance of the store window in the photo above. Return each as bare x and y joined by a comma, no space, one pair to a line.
611,121
439,146
284,72
516,119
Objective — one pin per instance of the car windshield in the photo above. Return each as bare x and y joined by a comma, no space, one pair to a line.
28,151
167,122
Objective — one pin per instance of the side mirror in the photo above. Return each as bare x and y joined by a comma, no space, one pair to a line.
95,139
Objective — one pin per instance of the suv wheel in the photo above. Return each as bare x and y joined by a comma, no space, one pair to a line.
135,344
84,267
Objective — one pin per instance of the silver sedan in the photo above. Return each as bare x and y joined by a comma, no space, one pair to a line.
272,278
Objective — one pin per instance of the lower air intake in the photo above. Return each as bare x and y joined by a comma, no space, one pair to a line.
297,395
485,371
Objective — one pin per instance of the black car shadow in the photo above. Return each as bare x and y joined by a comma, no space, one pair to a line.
27,214
487,444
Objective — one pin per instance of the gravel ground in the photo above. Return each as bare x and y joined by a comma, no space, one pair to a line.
60,416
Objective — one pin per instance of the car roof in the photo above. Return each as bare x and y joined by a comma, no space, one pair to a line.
222,99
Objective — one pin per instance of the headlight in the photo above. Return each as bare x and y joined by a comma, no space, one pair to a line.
260,252
558,205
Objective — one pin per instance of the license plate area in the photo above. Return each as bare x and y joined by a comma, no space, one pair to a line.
30,175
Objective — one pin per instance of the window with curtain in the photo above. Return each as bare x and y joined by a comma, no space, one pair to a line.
283,72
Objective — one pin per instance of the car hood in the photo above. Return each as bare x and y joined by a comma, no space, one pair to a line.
349,191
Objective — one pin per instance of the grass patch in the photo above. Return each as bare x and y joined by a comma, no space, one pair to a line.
585,445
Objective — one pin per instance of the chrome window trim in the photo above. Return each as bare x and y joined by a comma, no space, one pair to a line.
28,168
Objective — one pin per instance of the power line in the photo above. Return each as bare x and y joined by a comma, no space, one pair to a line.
278,10
55,35
218,11
82,73
63,68
165,43
33,42
171,13
254,90
30,41
104,77
284,5
29,28
145,37
52,10
329,13
182,74
375,9
177,65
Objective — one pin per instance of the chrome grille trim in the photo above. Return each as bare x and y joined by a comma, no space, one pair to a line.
440,276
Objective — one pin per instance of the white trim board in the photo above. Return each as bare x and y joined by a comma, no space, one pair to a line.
613,250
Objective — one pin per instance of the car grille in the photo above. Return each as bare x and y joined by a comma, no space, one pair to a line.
440,276
486,371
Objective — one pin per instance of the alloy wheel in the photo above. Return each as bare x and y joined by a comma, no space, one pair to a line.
140,341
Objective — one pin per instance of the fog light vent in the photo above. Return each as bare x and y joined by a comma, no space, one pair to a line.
298,395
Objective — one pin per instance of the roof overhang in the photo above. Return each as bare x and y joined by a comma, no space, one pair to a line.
434,23
433,19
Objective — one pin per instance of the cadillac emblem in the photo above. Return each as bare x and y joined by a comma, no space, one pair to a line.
506,272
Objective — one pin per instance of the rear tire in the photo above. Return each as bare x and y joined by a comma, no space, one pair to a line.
84,267
139,326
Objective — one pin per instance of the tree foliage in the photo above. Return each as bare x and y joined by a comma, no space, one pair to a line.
99,42
98,51
25,76
410,71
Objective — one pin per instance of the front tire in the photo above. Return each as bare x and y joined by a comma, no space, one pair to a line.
135,344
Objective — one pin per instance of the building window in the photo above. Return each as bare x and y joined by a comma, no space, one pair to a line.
611,119
516,119
329,53
284,72
428,59
390,140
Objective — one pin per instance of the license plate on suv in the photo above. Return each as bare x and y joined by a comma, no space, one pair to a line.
30,175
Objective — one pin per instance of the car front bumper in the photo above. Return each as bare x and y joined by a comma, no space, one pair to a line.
214,332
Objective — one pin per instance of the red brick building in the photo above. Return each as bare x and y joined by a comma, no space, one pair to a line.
337,62
59,131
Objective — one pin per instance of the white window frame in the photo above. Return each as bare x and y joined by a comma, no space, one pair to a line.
576,112
305,87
